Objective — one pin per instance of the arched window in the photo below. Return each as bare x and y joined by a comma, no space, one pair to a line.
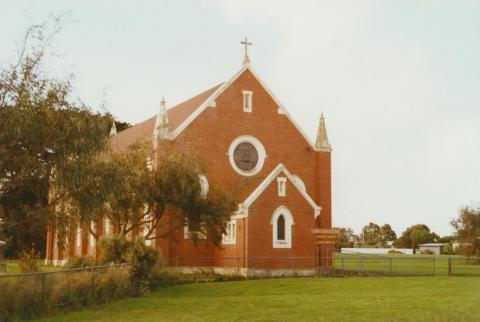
282,222
281,228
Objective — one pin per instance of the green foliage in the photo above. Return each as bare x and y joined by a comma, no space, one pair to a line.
142,259
114,249
448,249
345,237
446,239
80,262
467,231
25,298
122,186
387,235
371,234
24,219
374,235
29,261
416,235
45,139
426,252
121,126
395,252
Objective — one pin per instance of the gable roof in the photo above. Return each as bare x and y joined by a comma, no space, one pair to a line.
183,114
210,101
176,115
243,207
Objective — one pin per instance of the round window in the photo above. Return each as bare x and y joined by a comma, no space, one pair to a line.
247,155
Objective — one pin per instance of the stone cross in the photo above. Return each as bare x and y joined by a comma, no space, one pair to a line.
246,43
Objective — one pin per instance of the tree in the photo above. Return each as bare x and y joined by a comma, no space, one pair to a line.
345,237
23,223
135,194
371,234
45,136
387,235
416,235
121,126
467,231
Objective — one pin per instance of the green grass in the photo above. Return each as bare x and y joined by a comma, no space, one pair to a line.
301,299
406,264
13,268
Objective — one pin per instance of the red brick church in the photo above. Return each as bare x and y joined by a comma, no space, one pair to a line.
245,135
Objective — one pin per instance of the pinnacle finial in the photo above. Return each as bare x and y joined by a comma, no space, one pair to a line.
322,143
161,129
246,43
113,129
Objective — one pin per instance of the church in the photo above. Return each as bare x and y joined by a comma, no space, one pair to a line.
247,137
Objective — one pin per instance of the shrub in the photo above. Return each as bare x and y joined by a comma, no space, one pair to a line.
25,298
426,252
448,249
29,261
144,260
114,250
80,262
393,251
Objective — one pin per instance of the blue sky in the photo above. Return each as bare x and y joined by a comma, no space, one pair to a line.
398,81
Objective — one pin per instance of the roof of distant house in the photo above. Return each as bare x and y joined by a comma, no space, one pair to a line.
432,245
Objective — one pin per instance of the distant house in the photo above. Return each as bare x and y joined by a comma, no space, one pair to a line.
435,248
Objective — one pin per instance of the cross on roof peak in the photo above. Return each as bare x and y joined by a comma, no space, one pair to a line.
246,43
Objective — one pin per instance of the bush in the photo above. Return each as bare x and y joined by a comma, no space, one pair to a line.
426,252
80,262
23,298
393,252
29,261
448,249
144,260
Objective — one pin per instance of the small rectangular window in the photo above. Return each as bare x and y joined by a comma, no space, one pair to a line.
282,186
247,101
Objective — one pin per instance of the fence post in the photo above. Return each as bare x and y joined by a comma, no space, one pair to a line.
449,266
343,266
391,272
93,284
238,267
43,289
433,262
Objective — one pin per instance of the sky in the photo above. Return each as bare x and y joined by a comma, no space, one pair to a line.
398,82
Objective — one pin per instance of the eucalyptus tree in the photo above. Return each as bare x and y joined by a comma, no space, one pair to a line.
45,135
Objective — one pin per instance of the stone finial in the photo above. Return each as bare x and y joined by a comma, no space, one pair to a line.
113,129
322,143
162,125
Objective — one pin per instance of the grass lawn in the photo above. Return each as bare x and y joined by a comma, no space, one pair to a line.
301,299
12,267
407,264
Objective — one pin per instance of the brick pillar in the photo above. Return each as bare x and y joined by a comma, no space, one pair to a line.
323,196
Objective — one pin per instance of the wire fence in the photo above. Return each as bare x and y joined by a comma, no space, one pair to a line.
337,264
40,288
